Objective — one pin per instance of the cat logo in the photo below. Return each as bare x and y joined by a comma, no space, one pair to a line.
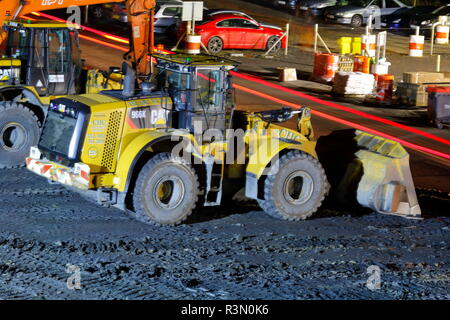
158,117
5,74
148,117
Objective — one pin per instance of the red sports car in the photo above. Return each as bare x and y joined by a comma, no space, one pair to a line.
234,31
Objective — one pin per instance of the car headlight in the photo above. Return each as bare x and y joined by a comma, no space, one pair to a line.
425,22
396,21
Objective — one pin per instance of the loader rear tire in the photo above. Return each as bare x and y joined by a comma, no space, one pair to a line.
19,130
295,187
166,191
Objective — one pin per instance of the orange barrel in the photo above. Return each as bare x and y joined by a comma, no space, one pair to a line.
316,67
362,64
193,42
416,44
369,45
385,87
376,76
442,34
325,66
331,66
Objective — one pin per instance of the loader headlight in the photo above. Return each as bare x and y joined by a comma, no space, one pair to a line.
35,153
63,109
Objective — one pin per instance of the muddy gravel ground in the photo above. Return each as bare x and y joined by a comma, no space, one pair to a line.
226,253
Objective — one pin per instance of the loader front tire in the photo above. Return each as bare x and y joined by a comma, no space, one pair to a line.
19,130
295,187
166,191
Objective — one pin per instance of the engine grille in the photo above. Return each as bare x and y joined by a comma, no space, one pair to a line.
111,141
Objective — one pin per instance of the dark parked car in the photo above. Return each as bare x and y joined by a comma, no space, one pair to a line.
314,8
357,12
425,21
403,17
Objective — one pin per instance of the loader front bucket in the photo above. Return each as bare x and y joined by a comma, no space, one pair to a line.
376,173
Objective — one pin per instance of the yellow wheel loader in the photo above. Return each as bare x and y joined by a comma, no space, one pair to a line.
177,141
41,60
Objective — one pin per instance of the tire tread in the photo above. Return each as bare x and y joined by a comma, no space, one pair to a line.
268,203
6,105
139,212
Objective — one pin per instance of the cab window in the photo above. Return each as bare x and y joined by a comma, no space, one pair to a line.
209,93
39,48
17,45
58,51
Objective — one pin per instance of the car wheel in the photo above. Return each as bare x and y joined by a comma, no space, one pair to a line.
439,124
271,42
356,21
215,45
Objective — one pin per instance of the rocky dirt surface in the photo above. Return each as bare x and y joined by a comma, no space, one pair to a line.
230,253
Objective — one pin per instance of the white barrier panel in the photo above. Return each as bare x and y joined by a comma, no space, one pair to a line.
369,44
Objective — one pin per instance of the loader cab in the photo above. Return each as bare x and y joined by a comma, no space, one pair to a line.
47,56
200,88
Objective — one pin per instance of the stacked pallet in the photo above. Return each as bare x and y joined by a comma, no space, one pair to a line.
413,90
353,83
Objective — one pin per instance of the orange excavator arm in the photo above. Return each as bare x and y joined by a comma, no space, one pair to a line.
140,13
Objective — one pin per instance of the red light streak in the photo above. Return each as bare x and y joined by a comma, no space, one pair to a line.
346,123
299,94
100,33
343,108
95,31
103,43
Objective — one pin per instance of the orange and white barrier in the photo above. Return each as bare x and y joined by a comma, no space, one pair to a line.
385,87
193,43
441,35
416,45
325,66
369,45
361,64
